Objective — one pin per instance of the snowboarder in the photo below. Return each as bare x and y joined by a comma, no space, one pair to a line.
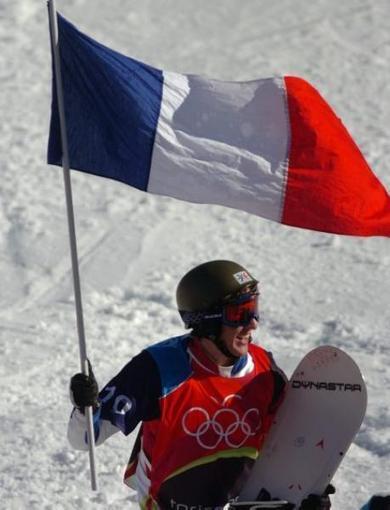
205,400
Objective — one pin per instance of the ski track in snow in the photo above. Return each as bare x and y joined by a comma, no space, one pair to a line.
133,248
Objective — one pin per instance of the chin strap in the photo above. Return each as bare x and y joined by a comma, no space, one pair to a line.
212,331
222,347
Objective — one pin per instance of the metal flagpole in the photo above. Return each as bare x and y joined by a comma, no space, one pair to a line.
72,231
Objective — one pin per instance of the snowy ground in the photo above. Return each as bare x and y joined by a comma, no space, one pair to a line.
316,288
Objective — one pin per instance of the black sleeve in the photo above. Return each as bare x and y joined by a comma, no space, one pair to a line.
133,394
280,381
278,393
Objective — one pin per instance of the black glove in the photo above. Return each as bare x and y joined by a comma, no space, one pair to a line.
84,390
315,502
379,503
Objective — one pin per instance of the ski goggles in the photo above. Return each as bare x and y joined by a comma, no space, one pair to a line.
241,310
235,312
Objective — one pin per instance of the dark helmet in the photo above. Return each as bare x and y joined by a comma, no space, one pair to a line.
205,288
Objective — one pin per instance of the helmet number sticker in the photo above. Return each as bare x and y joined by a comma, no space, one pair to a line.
242,277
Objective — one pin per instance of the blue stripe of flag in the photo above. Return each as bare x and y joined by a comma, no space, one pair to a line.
112,106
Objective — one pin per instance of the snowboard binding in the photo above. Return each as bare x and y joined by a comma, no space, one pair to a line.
259,505
263,501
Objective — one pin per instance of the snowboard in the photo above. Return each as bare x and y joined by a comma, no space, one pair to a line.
323,409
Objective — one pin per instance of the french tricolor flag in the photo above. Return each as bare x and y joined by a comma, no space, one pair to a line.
271,147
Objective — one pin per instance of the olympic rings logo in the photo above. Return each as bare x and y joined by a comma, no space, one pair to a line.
224,425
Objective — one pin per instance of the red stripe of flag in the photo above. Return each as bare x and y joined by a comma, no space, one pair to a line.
330,186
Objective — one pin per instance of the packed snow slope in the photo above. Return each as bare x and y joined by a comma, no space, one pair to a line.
133,247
